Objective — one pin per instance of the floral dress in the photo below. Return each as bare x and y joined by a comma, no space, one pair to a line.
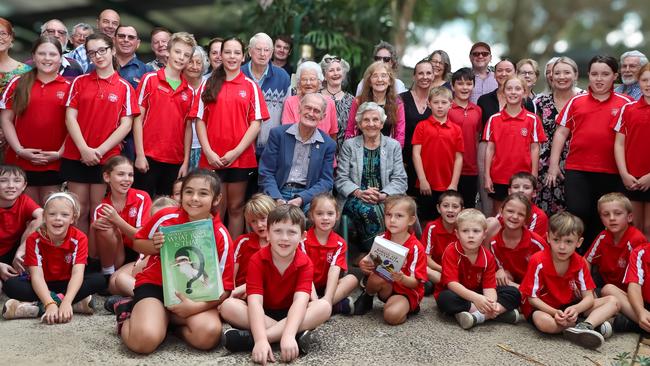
5,77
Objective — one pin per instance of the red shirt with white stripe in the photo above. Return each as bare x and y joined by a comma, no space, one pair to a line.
165,118
42,123
634,122
436,238
558,291
638,269
512,137
277,289
14,220
135,212
469,120
415,265
515,260
440,142
152,272
456,267
240,102
538,221
591,147
245,246
324,256
56,260
612,258
100,104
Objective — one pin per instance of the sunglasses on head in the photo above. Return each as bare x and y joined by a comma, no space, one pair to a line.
332,59
383,58
482,54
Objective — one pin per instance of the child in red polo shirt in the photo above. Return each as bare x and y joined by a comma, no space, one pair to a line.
437,154
121,213
558,288
468,287
161,133
278,284
513,137
55,256
638,291
198,323
403,295
328,253
19,217
631,149
514,244
439,233
256,212
526,183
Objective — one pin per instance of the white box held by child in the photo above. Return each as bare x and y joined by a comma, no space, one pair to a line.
388,257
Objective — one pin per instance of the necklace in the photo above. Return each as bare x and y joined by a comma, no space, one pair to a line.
420,104
332,94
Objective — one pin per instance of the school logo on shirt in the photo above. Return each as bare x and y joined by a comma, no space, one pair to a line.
330,257
242,93
112,98
577,294
622,263
524,132
132,212
614,112
60,94
184,96
479,277
68,258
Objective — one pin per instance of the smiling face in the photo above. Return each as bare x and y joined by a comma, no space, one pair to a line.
215,55
563,247
503,71
47,58
644,83
601,78
58,216
6,38
514,91
324,214
614,216
629,68
438,65
232,56
449,209
11,186
281,50
463,89
108,22
308,82
79,36
198,199
159,43
180,55
311,111
334,74
380,79
423,75
284,237
56,29
371,124
261,52
100,54
527,72
514,214
480,58
127,41
120,178
194,69
564,77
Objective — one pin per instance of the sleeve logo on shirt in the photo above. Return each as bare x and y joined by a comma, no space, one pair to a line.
524,132
575,289
112,98
133,212
68,258
60,94
242,93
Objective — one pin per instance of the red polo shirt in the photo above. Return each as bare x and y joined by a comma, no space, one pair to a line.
440,142
56,260
515,260
324,256
591,147
240,102
612,258
245,246
543,282
456,267
264,279
638,269
152,273
42,123
166,113
469,120
512,137
135,211
436,238
14,220
415,265
538,222
100,103
634,122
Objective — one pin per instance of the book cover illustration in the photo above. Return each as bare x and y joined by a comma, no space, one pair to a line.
388,257
190,264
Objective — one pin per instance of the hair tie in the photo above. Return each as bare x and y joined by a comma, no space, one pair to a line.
61,195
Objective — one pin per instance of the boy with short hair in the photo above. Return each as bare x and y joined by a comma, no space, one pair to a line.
558,288
19,217
526,183
437,154
278,285
439,233
468,288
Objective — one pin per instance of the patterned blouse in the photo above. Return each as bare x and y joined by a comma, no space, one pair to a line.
5,77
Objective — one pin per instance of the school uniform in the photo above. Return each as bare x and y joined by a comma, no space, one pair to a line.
538,221
13,222
148,283
163,130
634,122
100,104
277,289
45,115
637,270
611,258
324,256
477,276
515,260
439,144
469,120
436,238
245,246
558,291
415,265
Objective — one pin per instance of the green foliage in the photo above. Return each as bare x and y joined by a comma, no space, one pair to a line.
625,359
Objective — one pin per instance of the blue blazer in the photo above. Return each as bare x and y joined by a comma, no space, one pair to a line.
277,157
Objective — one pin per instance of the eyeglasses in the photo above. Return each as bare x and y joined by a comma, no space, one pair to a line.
526,73
481,54
4,35
331,59
309,81
379,76
130,37
386,59
101,51
53,32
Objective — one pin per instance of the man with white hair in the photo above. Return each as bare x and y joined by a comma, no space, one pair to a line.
273,80
79,34
631,62
69,68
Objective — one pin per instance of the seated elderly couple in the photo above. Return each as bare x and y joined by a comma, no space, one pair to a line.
298,163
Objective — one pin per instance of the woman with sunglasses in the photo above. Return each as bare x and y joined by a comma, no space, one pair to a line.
385,52
335,71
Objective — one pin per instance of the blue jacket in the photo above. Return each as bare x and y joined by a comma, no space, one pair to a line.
277,157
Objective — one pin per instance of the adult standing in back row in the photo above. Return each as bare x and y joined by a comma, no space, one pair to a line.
480,56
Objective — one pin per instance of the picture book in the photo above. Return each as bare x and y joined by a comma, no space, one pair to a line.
388,257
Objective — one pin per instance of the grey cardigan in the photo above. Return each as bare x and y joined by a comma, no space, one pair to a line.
350,167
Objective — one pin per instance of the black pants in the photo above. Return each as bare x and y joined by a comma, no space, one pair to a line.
427,210
158,180
451,304
468,187
21,288
583,189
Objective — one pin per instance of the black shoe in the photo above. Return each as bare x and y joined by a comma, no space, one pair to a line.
345,307
239,340
110,303
428,288
363,304
303,338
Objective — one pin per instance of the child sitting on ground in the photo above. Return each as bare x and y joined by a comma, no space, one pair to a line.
637,307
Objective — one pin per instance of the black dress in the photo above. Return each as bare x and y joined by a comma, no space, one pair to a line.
412,117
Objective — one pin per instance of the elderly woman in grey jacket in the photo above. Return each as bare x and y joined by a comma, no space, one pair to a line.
370,168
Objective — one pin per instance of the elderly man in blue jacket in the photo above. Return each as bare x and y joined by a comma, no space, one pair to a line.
298,161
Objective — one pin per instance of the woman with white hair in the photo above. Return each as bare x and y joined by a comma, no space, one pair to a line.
335,70
193,73
310,77
370,168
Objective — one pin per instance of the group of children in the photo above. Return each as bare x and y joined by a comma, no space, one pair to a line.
281,280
